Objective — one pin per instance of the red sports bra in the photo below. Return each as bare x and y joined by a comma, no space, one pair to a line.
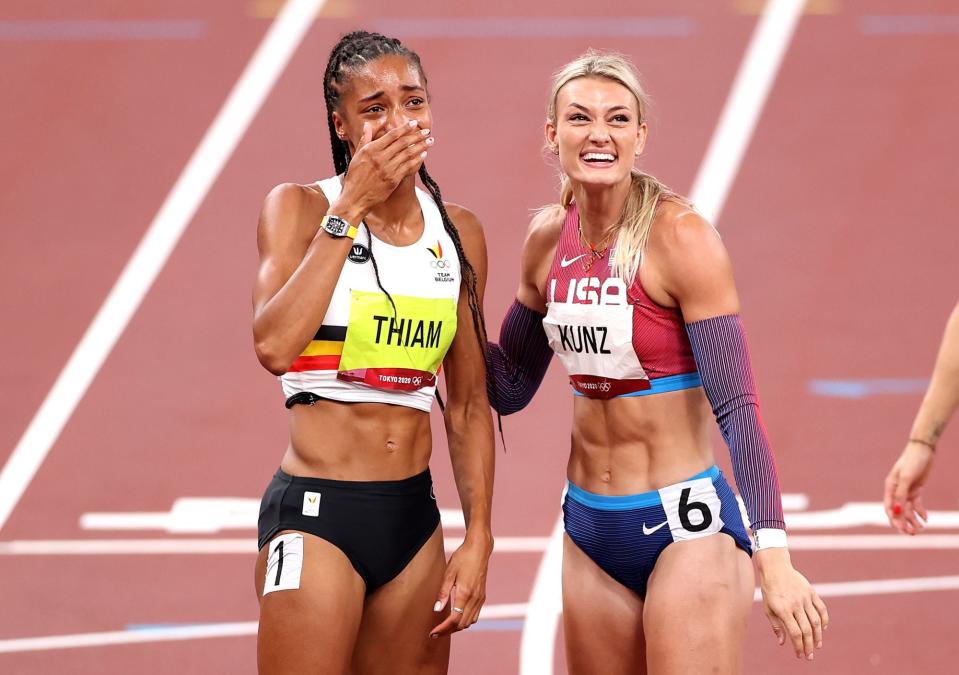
613,340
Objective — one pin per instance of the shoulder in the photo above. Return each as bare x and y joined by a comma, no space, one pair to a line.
467,224
682,238
470,232
465,220
545,227
688,258
291,202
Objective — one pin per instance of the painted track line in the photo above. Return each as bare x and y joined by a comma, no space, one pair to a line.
737,122
740,115
846,589
201,171
245,546
188,632
490,612
537,642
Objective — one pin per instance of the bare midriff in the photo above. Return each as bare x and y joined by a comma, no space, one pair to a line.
628,445
357,441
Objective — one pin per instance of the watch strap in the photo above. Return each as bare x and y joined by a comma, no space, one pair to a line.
350,229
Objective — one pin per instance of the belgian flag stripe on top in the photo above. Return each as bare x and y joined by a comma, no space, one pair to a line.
331,333
323,351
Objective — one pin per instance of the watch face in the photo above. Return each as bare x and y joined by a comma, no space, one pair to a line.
336,226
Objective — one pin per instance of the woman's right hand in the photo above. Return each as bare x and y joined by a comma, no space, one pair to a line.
379,165
902,497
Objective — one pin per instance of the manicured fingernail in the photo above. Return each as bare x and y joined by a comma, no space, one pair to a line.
434,635
423,154
811,656
896,509
425,132
430,141
413,123
438,606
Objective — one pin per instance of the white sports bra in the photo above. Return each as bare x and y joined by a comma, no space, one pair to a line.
367,351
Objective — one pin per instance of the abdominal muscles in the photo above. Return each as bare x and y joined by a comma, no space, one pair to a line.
636,444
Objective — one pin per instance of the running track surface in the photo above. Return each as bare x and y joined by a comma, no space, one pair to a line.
839,222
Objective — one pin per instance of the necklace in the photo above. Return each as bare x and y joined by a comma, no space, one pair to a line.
595,252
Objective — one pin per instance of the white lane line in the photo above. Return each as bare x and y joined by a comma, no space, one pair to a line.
489,612
21,547
265,67
840,589
208,515
515,610
736,125
123,637
741,112
871,542
537,642
193,632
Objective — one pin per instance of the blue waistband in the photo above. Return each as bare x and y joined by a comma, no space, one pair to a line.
663,384
624,502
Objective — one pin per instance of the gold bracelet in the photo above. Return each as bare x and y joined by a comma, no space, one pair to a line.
931,446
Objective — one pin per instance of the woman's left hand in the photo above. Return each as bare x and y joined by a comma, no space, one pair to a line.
791,603
464,585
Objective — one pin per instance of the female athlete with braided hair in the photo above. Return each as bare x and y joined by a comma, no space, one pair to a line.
365,287
634,292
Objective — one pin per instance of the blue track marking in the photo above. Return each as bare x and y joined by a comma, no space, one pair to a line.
101,30
146,627
909,24
498,625
556,27
857,389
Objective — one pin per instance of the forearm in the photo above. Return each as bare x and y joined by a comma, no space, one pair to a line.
942,396
519,361
469,431
722,357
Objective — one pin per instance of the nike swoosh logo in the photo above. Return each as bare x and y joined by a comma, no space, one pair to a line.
649,530
566,263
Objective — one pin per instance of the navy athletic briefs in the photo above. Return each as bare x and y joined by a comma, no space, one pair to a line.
625,535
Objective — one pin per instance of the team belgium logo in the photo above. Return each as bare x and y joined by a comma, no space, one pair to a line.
439,263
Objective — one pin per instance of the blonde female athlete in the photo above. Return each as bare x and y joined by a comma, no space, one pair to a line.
903,498
634,292
365,287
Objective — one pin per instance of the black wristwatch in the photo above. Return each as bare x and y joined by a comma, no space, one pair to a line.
338,227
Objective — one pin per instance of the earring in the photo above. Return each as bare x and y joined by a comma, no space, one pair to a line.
554,149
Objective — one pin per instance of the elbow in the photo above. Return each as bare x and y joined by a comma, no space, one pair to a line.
508,397
467,412
507,405
278,364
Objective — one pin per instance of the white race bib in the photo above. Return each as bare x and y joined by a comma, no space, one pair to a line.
595,343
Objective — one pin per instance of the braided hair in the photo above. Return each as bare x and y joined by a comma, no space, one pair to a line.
353,51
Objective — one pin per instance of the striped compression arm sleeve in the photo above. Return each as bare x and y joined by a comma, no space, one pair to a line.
519,362
722,356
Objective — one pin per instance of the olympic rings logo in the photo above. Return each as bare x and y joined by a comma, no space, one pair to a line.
440,264
417,381
604,386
